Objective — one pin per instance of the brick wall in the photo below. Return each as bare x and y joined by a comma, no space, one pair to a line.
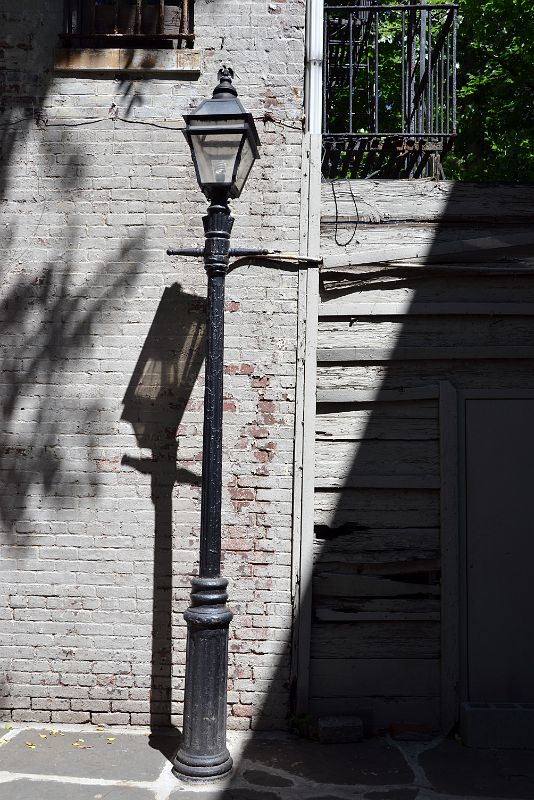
101,432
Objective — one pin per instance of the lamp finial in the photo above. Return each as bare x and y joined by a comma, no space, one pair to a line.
225,75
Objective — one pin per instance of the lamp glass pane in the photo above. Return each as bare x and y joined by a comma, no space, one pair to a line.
215,154
245,164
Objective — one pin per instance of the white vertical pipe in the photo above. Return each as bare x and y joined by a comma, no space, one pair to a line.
313,101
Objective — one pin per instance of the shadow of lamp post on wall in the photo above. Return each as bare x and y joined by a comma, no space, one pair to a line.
224,145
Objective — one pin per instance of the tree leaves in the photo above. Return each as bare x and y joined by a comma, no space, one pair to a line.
495,96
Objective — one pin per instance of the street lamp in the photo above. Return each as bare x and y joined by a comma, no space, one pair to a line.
224,145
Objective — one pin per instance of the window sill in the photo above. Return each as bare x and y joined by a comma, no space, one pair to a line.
165,63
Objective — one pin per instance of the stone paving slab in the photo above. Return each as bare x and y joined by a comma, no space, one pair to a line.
466,771
135,766
127,757
25,789
371,762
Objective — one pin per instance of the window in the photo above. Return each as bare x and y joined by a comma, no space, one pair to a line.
128,23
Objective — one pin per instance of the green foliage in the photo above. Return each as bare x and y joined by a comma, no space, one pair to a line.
496,92
495,111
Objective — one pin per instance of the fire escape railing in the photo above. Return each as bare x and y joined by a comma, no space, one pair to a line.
128,23
389,89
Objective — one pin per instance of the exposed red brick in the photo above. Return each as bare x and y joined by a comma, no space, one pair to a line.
258,433
264,452
243,672
242,494
239,710
240,545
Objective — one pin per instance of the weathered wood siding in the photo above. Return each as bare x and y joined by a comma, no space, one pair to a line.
390,331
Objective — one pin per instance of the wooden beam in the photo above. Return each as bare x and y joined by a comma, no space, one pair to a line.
303,534
486,246
423,353
333,615
351,585
393,676
298,450
356,309
426,200
450,558
377,395
382,640
378,482
380,713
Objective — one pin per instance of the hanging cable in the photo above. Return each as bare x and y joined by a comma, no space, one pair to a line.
336,238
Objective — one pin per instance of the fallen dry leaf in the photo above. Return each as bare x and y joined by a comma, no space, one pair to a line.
8,727
30,745
110,739
3,741
42,736
100,728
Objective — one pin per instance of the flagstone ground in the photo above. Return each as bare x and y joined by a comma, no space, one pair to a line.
81,763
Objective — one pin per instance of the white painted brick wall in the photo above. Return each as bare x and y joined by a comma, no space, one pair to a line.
87,212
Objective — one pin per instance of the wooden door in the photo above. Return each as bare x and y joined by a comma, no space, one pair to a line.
499,549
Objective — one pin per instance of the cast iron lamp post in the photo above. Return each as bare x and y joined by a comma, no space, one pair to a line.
224,145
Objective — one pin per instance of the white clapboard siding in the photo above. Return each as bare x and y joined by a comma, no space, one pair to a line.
404,422
423,287
436,285
426,199
375,546
415,677
376,640
420,353
355,309
403,376
380,712
373,508
431,244
380,608
427,331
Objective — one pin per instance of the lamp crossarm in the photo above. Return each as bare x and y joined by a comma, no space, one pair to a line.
199,252
242,252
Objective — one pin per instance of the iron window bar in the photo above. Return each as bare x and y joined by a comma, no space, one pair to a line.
389,85
123,23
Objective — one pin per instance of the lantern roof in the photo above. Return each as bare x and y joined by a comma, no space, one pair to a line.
224,104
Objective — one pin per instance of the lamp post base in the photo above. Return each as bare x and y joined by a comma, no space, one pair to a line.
203,754
198,773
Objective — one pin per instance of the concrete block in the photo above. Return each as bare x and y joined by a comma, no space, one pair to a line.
506,725
336,730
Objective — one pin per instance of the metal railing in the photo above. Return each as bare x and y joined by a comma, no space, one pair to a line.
389,83
121,23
